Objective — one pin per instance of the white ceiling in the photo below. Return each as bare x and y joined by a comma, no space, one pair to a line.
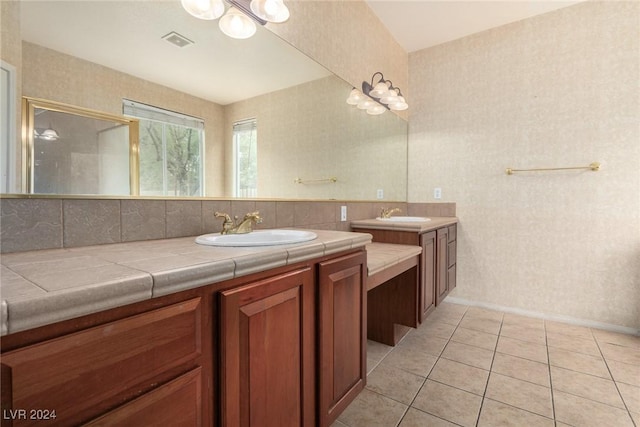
418,24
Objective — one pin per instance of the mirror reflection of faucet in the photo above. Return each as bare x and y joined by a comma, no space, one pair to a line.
386,213
232,226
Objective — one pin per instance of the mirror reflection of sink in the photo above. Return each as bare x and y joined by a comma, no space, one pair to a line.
405,219
257,238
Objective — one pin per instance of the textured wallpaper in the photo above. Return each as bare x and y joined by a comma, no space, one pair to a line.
556,90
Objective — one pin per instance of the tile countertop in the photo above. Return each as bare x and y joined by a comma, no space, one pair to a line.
418,227
43,287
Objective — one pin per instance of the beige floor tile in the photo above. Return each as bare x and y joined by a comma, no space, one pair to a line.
570,343
497,414
445,317
618,353
375,353
475,338
435,329
484,313
521,394
578,411
636,417
370,409
410,360
390,381
587,386
457,309
459,375
624,373
338,424
467,354
448,403
624,340
524,333
522,369
526,350
416,418
518,320
585,363
490,326
567,329
631,396
426,344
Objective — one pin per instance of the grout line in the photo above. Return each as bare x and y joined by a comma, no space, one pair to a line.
615,383
493,358
553,402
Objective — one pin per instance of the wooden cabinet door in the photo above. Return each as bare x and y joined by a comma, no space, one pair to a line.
442,264
427,274
342,333
267,352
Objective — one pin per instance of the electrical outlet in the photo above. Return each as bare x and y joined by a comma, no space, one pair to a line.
380,193
437,193
343,213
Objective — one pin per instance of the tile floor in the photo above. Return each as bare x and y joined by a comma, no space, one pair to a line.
469,366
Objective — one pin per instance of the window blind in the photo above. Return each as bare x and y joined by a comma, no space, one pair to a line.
149,112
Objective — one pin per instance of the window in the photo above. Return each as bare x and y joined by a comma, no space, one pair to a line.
245,143
171,151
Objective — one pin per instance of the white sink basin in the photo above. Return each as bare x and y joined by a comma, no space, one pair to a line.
257,238
405,219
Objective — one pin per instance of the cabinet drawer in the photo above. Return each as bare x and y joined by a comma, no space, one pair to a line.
84,374
176,403
451,253
451,278
452,232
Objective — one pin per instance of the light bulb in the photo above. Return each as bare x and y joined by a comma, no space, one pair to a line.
355,97
237,25
391,97
365,103
376,109
379,90
270,10
204,9
399,105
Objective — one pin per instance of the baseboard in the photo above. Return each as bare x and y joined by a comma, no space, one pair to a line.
546,316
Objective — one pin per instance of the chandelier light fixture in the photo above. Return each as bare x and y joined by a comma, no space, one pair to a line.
377,96
239,21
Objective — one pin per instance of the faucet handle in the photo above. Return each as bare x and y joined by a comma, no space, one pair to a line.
386,213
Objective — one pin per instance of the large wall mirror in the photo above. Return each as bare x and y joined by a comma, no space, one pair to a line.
262,103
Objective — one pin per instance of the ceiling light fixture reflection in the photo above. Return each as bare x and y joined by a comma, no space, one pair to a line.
48,134
378,96
239,22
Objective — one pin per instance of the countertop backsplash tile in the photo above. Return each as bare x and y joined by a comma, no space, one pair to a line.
51,223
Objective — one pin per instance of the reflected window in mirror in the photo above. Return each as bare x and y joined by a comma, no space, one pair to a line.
70,150
245,143
171,151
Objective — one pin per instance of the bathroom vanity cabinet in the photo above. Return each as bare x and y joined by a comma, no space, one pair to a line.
438,259
284,346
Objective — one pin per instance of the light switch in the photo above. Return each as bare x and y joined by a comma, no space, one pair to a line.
343,213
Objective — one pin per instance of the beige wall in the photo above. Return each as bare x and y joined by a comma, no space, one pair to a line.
309,132
52,75
556,90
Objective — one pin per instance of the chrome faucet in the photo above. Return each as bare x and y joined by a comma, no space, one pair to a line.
232,226
386,213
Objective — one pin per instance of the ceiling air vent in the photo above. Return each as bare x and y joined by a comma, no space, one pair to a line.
177,39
